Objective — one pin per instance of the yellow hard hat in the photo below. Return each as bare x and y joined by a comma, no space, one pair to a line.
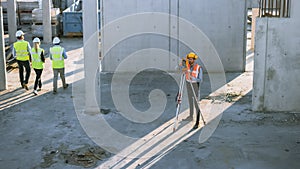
191,55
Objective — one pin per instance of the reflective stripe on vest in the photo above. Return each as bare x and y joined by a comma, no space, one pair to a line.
194,73
21,48
37,62
57,57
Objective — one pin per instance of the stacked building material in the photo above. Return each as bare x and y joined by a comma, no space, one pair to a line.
37,22
23,11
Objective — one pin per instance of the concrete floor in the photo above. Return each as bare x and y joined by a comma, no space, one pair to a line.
44,131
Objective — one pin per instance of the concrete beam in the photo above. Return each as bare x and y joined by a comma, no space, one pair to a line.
3,84
91,52
47,32
12,21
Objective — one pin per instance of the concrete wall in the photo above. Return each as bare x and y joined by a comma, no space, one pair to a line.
223,21
253,3
277,63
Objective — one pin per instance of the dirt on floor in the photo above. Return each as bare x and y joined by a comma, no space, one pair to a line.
45,131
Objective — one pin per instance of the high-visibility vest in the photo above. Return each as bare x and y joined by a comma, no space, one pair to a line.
194,73
36,59
21,49
57,57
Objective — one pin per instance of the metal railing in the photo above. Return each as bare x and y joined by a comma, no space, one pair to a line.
275,8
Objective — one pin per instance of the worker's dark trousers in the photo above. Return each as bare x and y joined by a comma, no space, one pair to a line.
22,65
38,80
191,99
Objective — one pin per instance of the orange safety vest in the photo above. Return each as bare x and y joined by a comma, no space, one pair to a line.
195,72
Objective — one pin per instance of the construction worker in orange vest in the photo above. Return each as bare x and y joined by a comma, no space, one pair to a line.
194,75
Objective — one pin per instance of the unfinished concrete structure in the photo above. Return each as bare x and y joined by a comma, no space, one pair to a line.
12,20
276,53
47,32
224,26
50,132
91,51
277,63
3,83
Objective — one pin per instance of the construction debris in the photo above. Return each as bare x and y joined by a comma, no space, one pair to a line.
85,156
225,97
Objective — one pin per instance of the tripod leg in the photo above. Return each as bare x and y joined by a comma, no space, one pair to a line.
178,99
197,106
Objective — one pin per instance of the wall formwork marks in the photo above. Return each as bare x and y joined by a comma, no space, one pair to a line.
222,21
277,63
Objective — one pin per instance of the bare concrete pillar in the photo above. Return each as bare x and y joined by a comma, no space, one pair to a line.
3,84
91,52
255,14
47,30
12,21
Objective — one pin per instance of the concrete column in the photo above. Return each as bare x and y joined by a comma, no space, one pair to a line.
259,73
255,14
91,52
281,9
12,21
47,30
3,84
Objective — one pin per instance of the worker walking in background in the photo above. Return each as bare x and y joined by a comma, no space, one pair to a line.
193,74
38,60
58,55
21,51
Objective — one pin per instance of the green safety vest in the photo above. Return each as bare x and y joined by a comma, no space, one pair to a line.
21,48
36,60
57,57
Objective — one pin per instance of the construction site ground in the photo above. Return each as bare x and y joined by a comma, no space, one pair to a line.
44,131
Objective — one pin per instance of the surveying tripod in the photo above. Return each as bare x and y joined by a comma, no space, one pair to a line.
179,99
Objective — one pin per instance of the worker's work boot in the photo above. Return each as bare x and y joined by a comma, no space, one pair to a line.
66,86
196,126
26,86
189,118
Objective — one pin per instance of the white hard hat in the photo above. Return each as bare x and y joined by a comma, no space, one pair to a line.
36,40
56,40
19,33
